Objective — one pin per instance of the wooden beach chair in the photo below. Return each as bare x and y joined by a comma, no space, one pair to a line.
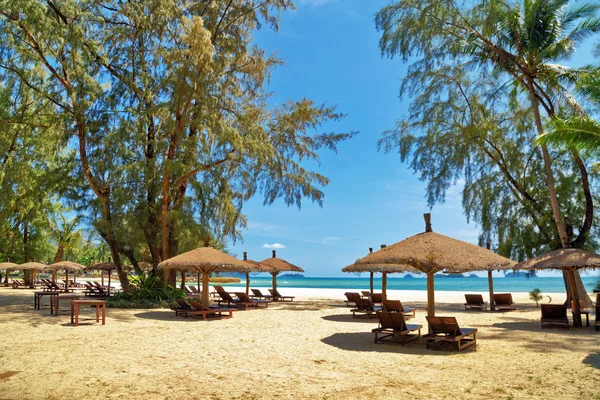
475,302
377,299
395,306
246,301
202,310
256,293
226,298
365,293
278,297
446,329
394,325
364,306
504,301
351,297
554,315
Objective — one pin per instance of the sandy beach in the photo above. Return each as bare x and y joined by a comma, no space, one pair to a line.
311,348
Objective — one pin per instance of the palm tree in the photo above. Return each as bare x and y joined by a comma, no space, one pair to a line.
66,235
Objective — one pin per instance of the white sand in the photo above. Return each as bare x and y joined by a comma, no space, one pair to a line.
308,349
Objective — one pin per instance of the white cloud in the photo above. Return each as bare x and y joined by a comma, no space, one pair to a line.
325,240
273,246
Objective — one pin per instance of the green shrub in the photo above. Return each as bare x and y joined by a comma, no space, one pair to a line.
148,292
536,295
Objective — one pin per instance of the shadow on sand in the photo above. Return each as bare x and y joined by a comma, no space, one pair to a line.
593,360
359,341
349,318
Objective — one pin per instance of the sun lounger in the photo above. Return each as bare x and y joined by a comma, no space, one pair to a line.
394,325
278,297
351,297
246,301
504,301
475,302
364,306
554,315
446,329
201,309
365,293
376,299
396,306
226,298
258,294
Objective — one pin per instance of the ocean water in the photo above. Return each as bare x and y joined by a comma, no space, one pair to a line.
545,284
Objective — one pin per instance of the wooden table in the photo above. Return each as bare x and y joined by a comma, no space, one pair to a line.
76,304
37,297
55,301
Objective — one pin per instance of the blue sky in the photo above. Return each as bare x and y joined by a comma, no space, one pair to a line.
331,52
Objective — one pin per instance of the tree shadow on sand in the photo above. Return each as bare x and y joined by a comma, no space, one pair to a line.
593,360
170,316
363,342
349,318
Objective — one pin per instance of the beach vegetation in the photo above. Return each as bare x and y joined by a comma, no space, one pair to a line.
151,120
485,80
147,292
536,295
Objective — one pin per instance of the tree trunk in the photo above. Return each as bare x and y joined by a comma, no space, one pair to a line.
576,310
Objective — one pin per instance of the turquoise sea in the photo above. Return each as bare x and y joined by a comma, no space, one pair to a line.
545,284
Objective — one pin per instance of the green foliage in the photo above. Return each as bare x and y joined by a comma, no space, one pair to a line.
536,295
150,289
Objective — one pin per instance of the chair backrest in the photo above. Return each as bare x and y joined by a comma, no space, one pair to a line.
365,293
199,306
363,304
503,298
393,306
184,304
219,289
554,311
188,290
444,325
475,299
352,296
390,320
376,297
257,292
194,289
243,297
275,292
225,296
581,305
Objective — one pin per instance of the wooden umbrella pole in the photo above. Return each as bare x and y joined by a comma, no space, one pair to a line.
205,277
74,276
430,295
491,287
102,274
577,323
383,285
109,274
66,278
198,281
247,282
183,280
274,284
371,281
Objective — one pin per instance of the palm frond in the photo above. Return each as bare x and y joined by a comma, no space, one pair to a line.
582,133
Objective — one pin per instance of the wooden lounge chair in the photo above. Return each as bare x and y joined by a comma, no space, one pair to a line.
475,302
446,329
394,325
278,297
226,298
365,293
364,306
377,299
396,306
184,308
192,289
219,289
504,301
554,315
351,297
259,295
246,301
202,310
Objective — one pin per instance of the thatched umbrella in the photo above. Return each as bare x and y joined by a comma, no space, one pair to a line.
384,269
31,266
567,260
103,267
67,266
205,260
431,252
6,266
256,267
278,265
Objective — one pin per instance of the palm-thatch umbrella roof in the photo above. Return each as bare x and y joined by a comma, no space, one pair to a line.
205,260
102,266
384,269
431,252
8,265
567,260
279,265
67,266
257,266
31,266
